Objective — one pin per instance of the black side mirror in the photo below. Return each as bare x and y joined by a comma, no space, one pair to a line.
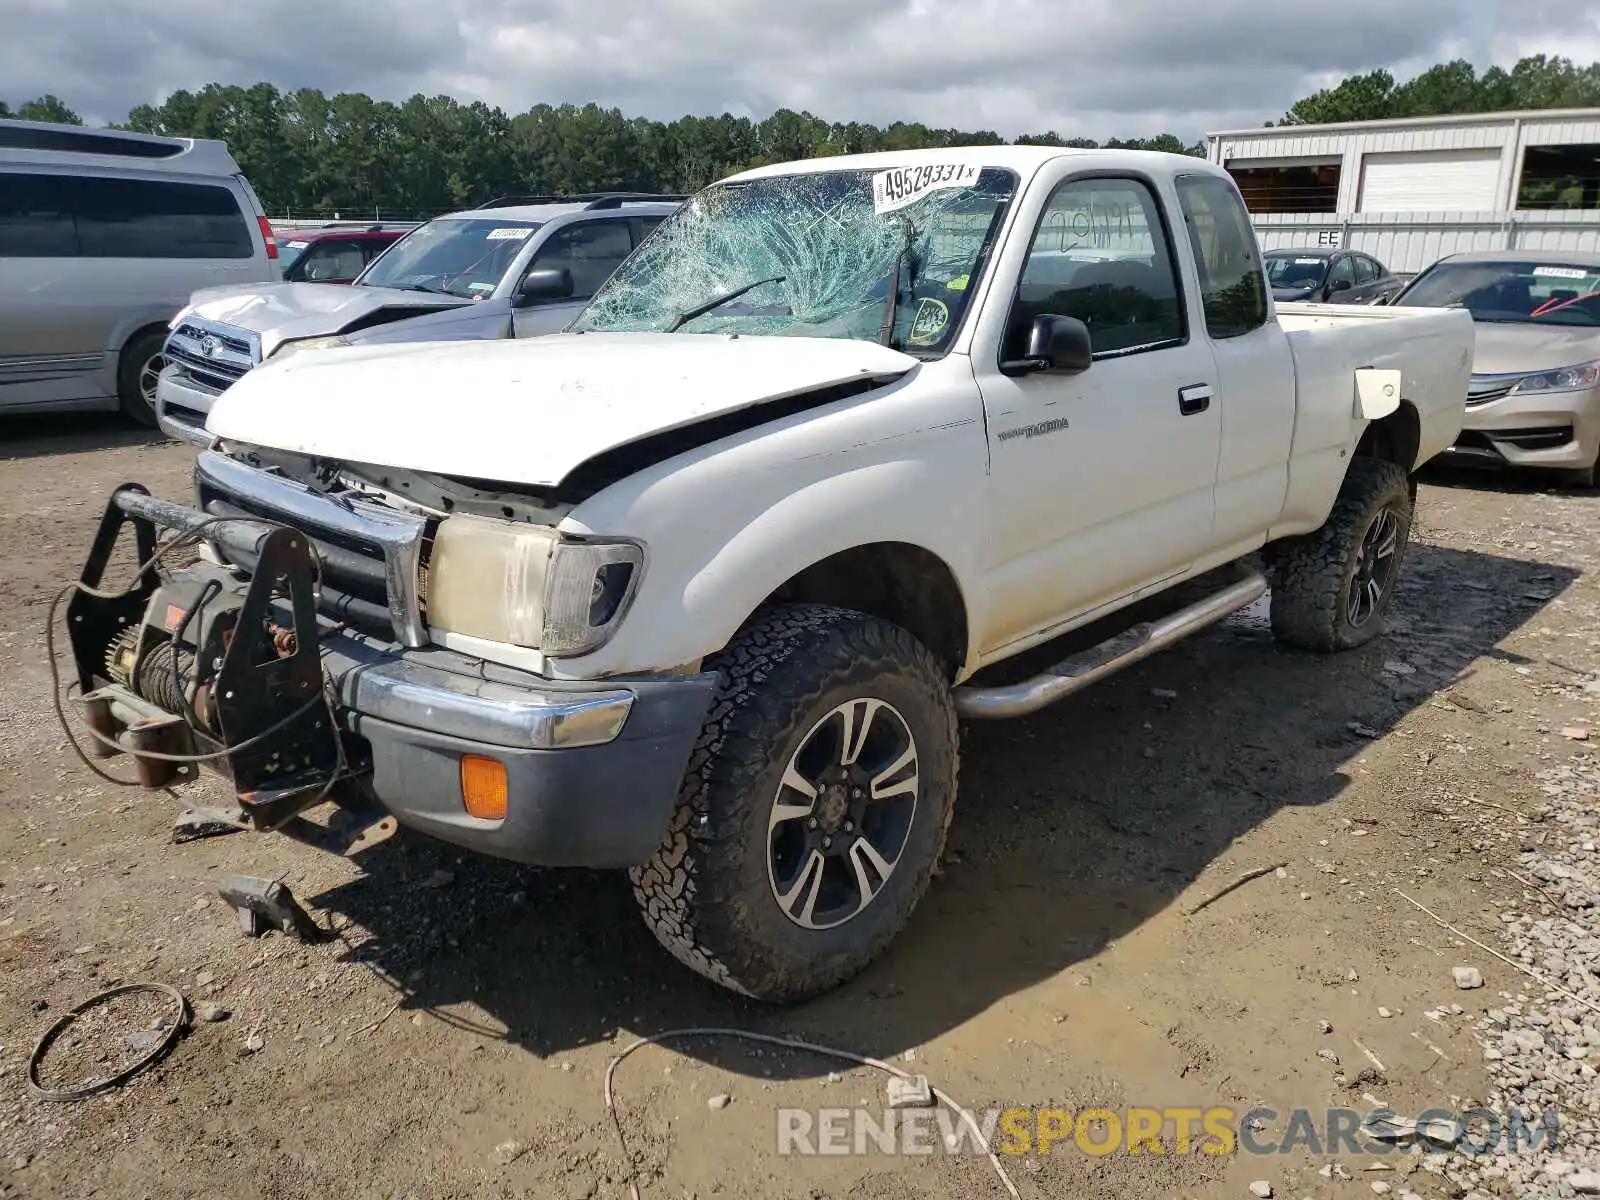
539,286
1339,285
1055,343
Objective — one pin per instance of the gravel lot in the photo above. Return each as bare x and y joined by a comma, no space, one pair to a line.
453,1040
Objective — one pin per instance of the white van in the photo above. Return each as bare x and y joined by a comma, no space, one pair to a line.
103,237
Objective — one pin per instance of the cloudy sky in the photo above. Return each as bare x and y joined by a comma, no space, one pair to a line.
1094,68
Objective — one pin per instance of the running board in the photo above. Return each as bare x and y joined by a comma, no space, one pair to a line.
1110,656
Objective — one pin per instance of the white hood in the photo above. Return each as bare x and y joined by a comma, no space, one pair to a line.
281,312
523,411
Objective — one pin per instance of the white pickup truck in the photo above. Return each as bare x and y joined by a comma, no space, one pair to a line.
701,586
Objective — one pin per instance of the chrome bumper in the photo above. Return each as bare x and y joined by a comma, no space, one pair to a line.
407,691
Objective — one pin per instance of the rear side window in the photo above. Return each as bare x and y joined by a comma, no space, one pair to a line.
1233,290
335,261
372,247
35,217
1367,271
147,218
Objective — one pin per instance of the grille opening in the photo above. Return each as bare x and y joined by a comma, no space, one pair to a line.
354,581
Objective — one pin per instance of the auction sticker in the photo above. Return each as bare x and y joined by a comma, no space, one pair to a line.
1562,273
899,186
509,234
929,321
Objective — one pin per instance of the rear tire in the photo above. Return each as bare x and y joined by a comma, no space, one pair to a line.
137,372
814,808
1331,588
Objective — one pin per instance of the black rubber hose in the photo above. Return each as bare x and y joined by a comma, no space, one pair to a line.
48,1037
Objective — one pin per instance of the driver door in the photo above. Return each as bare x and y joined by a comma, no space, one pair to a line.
1101,482
591,251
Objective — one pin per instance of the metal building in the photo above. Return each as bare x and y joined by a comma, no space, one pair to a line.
1410,191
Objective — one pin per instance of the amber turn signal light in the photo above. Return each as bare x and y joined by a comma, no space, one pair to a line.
483,787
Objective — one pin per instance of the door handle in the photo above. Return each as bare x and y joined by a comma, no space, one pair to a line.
1195,398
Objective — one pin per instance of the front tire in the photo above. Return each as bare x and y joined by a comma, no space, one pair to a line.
814,809
137,372
1331,588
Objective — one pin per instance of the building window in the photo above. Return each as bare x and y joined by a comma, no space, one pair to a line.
1296,189
1559,177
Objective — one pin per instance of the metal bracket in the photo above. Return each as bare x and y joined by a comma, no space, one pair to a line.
1377,392
263,904
196,823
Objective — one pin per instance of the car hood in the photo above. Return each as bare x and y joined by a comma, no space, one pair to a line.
281,312
524,411
1504,349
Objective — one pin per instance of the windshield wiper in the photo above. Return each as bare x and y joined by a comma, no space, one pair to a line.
701,310
891,306
422,287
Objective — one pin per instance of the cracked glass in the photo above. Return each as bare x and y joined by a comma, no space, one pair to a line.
823,249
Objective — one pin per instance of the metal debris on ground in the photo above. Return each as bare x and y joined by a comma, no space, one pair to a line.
263,904
196,823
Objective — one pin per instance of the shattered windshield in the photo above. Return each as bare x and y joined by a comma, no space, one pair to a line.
824,251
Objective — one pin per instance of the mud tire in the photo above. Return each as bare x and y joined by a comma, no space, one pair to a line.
1312,575
706,893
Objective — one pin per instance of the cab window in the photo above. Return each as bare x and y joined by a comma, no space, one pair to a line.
1233,290
1100,253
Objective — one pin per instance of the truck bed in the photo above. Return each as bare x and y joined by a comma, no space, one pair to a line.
1431,347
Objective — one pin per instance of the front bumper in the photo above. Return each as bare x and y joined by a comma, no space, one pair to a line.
592,768
181,408
1549,430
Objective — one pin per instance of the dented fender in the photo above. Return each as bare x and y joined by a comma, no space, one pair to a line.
727,524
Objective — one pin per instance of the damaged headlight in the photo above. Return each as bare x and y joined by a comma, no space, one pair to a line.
528,586
315,343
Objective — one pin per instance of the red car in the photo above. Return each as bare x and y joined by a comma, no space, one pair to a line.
332,254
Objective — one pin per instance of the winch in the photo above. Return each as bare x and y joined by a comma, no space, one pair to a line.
198,665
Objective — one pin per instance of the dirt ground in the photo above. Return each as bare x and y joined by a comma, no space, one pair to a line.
453,1041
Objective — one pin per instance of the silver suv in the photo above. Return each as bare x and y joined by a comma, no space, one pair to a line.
517,267
104,235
